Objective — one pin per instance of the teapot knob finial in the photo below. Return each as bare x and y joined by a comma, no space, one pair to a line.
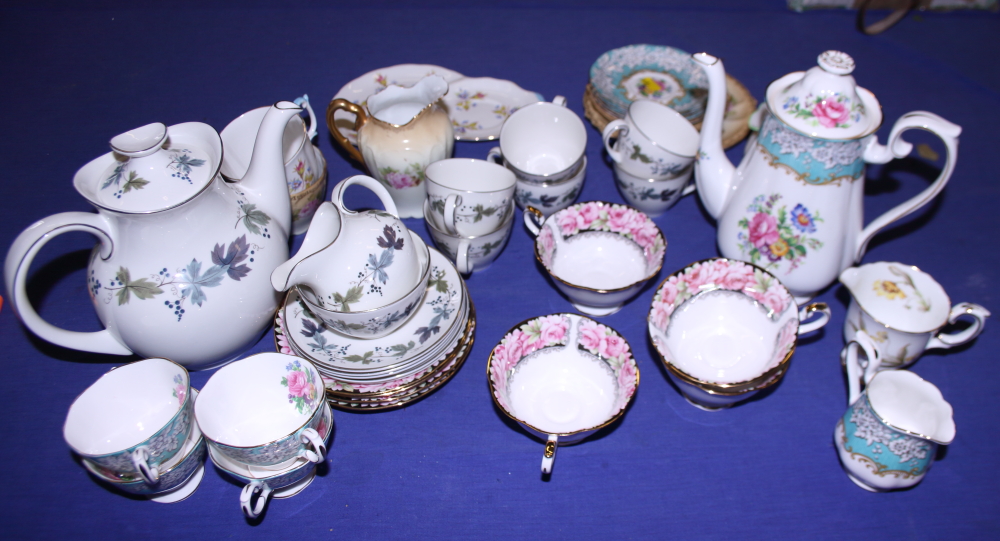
836,62
141,141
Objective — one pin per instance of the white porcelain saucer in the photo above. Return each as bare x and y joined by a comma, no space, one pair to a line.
478,106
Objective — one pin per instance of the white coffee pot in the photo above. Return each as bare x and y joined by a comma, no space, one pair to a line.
183,263
794,204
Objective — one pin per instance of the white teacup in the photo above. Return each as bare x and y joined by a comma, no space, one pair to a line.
654,142
550,198
903,310
133,419
470,253
265,409
542,142
726,329
650,195
470,197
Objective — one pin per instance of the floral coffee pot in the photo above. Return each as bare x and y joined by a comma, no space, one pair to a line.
400,132
183,263
794,204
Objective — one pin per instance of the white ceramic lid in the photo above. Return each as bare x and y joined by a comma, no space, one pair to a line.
911,404
825,101
902,297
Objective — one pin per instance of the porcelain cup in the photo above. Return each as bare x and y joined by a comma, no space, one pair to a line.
650,195
470,197
305,167
562,377
551,197
903,310
263,485
542,143
133,419
470,254
265,409
726,329
889,435
598,254
654,142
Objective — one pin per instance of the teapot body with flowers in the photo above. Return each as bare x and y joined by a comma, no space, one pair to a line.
794,205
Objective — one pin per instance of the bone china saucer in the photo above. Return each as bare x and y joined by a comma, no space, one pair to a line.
478,106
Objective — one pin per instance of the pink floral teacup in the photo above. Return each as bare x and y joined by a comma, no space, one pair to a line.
726,329
562,377
598,254
264,410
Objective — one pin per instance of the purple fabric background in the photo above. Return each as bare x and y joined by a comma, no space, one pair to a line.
451,466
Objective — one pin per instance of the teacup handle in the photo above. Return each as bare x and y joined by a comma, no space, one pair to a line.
689,189
451,203
140,459
808,311
855,375
304,102
368,182
979,315
310,437
559,100
251,508
549,455
462,257
533,219
495,156
359,120
611,130
22,253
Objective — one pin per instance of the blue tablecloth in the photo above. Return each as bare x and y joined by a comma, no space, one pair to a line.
451,466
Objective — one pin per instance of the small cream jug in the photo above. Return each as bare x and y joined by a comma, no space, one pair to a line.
902,308
890,433
402,132
794,204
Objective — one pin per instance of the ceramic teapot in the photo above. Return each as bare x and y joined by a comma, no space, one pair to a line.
400,132
794,204
184,258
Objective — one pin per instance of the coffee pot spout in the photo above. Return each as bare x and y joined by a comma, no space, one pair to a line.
264,182
713,172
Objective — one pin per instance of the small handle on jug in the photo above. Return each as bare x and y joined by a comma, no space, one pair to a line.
359,120
896,147
946,341
856,374
304,102
19,259
611,130
368,182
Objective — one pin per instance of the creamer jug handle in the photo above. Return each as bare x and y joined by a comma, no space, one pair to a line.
858,376
896,147
368,182
19,259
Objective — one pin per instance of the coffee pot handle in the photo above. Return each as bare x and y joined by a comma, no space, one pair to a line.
979,315
896,147
18,262
856,373
359,120
337,197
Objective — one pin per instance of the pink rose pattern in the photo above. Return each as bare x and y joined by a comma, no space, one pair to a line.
301,383
786,340
833,111
412,176
600,216
772,235
717,274
180,388
607,344
538,333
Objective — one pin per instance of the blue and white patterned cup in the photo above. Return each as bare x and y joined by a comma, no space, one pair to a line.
133,419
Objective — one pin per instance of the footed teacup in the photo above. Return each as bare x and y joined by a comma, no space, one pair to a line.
726,329
598,254
562,377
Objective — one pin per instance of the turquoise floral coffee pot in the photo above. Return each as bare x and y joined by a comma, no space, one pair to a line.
794,204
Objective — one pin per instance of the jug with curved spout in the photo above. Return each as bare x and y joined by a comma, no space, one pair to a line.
182,266
794,204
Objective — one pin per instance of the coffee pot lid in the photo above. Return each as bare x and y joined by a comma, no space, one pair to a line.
152,168
825,102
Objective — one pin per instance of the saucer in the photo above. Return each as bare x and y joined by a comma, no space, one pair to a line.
663,74
478,106
359,90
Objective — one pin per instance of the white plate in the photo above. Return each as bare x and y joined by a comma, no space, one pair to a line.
359,90
478,106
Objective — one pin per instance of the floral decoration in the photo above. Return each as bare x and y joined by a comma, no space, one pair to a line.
620,219
467,100
889,450
180,388
830,111
374,272
610,347
772,234
538,333
302,388
894,290
526,198
412,176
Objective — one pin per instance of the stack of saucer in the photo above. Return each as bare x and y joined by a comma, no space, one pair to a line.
395,369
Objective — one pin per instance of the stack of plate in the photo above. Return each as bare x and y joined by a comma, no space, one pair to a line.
398,368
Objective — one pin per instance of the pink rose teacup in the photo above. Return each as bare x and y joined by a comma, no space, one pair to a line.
598,254
562,377
726,329
264,410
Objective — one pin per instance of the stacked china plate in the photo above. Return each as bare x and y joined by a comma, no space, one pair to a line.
397,368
